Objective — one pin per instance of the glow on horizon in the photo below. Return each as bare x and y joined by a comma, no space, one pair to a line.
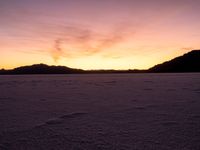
93,34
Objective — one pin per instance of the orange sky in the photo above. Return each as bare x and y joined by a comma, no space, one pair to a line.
94,34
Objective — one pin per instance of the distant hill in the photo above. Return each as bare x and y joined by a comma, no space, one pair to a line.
45,69
41,69
189,62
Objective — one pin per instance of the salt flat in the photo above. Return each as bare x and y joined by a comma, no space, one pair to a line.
100,112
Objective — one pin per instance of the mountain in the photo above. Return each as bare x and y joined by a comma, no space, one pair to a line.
45,69
41,69
189,62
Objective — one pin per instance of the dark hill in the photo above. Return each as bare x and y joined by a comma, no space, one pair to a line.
41,69
45,69
189,62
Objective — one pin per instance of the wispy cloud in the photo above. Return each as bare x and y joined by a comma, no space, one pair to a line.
78,41
57,50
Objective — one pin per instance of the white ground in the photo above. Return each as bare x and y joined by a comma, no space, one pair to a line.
100,112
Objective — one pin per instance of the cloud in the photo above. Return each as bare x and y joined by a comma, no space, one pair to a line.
187,48
57,51
76,41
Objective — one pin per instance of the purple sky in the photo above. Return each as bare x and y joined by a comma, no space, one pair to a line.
97,34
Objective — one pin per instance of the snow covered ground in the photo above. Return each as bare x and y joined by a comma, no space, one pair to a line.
100,112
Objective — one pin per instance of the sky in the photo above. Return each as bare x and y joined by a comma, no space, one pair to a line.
97,34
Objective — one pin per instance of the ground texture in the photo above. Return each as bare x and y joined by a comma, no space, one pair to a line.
100,112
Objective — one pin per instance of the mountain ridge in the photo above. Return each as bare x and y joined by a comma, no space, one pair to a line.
189,62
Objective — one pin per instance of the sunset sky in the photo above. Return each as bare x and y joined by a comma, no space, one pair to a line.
97,34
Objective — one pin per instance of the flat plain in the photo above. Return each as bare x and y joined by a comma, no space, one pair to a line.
100,112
